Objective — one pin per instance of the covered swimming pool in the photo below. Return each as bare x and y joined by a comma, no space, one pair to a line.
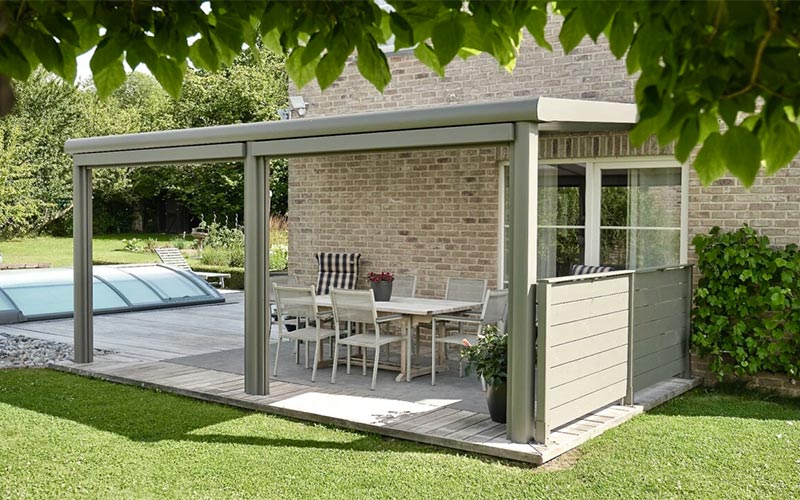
38,294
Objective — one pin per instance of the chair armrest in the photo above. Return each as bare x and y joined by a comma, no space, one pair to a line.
458,319
324,315
391,317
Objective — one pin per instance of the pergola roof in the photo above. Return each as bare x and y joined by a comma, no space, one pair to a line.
550,113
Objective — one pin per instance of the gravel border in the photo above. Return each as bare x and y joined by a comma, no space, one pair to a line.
19,351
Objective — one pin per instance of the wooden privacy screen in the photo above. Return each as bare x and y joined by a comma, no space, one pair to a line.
582,347
662,301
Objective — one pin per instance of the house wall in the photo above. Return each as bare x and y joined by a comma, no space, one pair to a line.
433,213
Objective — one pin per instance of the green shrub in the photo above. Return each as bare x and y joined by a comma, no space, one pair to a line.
179,243
216,257
235,282
746,315
133,245
279,257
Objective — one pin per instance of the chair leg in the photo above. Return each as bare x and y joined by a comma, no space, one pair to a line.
374,368
307,347
348,359
416,346
277,354
433,352
335,362
364,360
317,350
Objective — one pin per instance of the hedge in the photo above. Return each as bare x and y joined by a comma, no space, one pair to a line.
746,316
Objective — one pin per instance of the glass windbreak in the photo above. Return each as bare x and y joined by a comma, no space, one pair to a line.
561,218
640,217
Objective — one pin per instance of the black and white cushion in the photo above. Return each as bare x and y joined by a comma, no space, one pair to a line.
336,270
580,269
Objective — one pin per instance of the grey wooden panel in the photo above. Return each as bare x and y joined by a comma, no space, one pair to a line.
644,331
659,358
581,290
584,367
570,332
654,296
580,388
586,347
657,343
587,404
663,310
655,279
659,374
570,312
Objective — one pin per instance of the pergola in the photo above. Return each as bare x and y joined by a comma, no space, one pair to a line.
516,123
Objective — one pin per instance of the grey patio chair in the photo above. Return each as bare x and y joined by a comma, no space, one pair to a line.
301,303
358,306
462,290
493,312
173,257
404,286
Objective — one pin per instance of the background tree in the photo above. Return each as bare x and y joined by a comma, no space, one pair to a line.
721,73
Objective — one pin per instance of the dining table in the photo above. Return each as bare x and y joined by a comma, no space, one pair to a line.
415,310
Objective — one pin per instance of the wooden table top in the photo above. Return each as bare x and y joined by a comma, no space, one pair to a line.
415,306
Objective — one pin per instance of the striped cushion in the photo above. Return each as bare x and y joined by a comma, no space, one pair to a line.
336,270
578,269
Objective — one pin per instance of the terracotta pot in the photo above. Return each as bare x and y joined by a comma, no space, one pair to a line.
382,290
496,400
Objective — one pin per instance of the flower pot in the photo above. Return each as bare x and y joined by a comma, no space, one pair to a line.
382,290
496,401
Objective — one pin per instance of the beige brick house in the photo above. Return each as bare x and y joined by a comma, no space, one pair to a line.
440,213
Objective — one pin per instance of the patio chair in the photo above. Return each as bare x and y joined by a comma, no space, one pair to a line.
404,286
493,312
300,302
358,306
463,290
336,270
173,257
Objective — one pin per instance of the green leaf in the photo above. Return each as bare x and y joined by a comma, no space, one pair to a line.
690,133
448,36
109,78
741,152
12,62
536,25
204,54
48,52
709,163
169,73
316,44
620,36
108,52
403,32
596,15
425,54
780,142
572,31
60,27
301,74
328,70
372,63
70,70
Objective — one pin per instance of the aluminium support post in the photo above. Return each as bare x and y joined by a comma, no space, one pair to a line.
524,172
256,274
83,341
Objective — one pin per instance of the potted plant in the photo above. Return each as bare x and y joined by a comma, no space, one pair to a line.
381,284
488,358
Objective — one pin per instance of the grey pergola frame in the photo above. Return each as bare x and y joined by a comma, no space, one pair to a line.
516,123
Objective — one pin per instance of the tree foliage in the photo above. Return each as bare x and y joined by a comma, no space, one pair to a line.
723,74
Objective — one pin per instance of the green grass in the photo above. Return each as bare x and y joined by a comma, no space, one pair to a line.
58,251
63,436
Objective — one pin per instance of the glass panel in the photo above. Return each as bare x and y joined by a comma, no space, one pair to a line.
137,292
5,304
640,217
45,299
170,283
561,218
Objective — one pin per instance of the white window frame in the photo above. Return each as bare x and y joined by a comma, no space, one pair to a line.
594,168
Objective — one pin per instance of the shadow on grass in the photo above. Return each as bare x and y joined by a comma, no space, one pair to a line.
148,416
733,401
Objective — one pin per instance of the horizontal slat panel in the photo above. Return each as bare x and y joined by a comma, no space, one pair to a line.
570,332
656,375
581,290
661,294
570,312
656,343
643,331
583,387
663,310
659,358
586,347
576,409
575,370
657,278
188,154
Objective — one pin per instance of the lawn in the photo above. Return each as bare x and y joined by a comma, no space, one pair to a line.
62,436
58,251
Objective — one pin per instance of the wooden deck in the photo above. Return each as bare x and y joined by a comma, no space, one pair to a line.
194,352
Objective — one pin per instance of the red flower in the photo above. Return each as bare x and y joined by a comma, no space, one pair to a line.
382,276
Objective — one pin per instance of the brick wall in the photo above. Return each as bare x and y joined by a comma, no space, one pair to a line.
780,384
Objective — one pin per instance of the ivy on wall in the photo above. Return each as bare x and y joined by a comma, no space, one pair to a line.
746,316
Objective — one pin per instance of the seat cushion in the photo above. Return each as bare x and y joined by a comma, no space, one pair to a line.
336,270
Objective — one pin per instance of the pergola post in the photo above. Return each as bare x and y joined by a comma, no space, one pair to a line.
83,341
256,274
524,171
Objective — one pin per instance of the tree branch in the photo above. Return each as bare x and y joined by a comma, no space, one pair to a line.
773,27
